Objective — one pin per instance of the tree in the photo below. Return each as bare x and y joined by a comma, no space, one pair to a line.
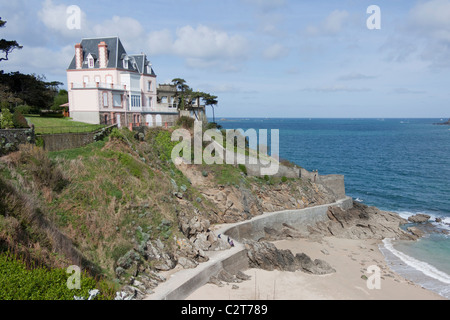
7,46
60,98
31,89
181,94
211,101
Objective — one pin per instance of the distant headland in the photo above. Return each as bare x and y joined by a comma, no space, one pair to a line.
443,123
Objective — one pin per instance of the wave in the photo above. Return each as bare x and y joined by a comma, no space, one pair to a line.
421,266
444,224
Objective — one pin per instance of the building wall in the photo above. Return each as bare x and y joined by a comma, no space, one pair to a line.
84,105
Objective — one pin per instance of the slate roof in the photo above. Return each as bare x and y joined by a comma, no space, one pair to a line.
116,55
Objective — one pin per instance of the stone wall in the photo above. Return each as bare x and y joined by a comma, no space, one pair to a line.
10,139
64,141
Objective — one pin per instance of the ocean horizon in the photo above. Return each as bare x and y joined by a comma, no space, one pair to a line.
400,165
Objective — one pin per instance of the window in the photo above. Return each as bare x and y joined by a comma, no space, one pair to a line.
149,86
125,63
90,62
105,99
109,79
97,79
164,100
149,69
149,102
86,79
172,101
117,100
135,101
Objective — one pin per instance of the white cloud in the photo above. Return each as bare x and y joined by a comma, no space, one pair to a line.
41,60
275,51
55,16
355,76
331,25
337,88
423,36
201,47
128,29
432,19
407,91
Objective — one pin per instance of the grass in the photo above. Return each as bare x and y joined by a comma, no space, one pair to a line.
44,125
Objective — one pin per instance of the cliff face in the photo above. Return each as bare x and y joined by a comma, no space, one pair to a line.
127,211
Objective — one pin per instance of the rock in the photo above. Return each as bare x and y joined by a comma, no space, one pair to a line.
242,276
317,266
266,256
234,287
438,220
416,231
419,218
227,277
187,263
216,281
361,222
325,252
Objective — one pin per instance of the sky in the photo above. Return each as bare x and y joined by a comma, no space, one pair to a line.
262,58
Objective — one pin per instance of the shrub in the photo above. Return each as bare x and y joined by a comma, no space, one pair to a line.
6,119
41,167
24,109
116,134
185,122
243,168
283,179
213,125
19,120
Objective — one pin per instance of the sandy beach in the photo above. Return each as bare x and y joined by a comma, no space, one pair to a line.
351,260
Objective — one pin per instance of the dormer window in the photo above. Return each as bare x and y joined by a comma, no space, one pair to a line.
90,61
149,69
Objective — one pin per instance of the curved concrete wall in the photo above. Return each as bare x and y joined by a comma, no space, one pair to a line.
184,282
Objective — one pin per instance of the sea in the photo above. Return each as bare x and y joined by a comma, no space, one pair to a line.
397,165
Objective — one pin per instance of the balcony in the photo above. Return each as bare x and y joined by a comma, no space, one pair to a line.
98,85
161,108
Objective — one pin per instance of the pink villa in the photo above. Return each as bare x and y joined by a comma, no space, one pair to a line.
108,86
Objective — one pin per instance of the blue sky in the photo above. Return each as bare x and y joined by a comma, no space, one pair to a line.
263,58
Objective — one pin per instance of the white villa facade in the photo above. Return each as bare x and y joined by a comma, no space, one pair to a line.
108,86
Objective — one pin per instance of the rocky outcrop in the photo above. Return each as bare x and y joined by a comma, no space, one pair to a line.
443,123
361,222
267,256
419,218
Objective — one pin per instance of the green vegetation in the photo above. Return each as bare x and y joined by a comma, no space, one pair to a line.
61,98
18,282
47,125
105,199
185,122
6,119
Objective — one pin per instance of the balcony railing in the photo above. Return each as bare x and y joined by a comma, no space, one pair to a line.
99,85
160,109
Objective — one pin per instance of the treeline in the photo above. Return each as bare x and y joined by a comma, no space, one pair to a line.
29,93
26,93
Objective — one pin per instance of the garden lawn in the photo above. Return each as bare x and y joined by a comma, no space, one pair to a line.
48,125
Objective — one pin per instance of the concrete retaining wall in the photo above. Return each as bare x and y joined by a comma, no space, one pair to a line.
184,282
299,219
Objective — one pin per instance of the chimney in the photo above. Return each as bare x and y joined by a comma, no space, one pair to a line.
103,54
78,56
